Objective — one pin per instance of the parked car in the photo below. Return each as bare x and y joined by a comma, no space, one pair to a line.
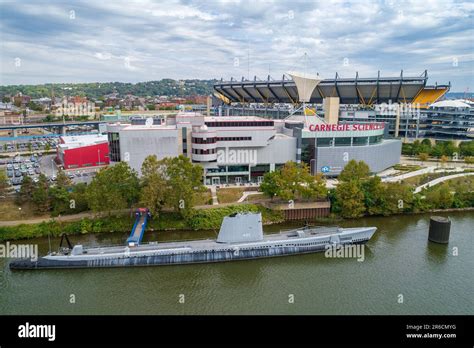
17,173
37,171
31,171
10,173
9,166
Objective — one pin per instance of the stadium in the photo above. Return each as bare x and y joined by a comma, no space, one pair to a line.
341,118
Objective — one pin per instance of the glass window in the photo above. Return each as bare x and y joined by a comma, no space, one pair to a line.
375,139
324,142
359,141
343,141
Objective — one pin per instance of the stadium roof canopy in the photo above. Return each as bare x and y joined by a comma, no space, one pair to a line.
366,91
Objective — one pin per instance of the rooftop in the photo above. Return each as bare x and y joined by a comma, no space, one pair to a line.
82,140
450,104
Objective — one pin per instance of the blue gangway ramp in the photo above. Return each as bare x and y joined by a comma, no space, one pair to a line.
141,219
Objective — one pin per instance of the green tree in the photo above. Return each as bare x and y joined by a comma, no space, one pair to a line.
270,184
3,183
466,148
183,179
440,197
373,195
154,187
60,200
357,171
41,194
350,199
62,180
78,198
26,190
397,198
294,181
114,187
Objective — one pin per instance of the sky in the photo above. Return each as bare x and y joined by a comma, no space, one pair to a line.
142,40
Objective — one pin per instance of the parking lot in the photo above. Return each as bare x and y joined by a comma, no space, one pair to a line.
19,167
36,143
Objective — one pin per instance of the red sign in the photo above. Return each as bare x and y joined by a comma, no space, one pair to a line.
346,127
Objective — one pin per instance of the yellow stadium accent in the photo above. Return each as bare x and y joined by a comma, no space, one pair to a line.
222,97
310,112
426,97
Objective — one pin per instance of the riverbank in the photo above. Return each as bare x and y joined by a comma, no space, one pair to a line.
205,219
200,220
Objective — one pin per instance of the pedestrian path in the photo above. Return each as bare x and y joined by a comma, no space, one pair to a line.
440,180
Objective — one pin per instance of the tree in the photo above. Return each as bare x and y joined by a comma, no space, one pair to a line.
62,180
183,179
270,185
357,171
467,148
294,181
41,194
114,187
350,199
437,150
444,160
423,157
78,198
154,188
3,183
397,198
26,191
440,197
60,200
373,195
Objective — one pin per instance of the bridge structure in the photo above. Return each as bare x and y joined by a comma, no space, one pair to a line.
355,90
56,128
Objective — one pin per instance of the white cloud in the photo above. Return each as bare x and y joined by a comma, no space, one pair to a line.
199,39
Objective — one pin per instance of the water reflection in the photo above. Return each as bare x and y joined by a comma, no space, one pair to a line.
436,253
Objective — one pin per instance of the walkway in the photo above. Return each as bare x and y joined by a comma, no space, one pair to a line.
245,194
440,180
432,169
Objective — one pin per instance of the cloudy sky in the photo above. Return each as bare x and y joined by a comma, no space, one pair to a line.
142,40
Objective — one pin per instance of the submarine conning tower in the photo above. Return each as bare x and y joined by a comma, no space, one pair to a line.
241,227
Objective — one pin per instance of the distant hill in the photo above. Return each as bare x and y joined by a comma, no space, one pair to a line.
96,90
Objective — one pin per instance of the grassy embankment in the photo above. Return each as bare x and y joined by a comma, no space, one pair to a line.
205,219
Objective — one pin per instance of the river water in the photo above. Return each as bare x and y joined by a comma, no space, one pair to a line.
400,265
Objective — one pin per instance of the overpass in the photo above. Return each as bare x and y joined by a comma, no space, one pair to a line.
60,126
